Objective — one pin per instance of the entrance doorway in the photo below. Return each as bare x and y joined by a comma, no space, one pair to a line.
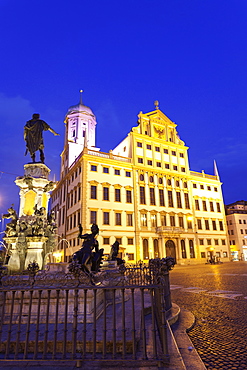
171,249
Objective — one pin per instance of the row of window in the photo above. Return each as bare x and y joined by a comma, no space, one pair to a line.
202,186
170,198
159,164
106,194
239,221
106,218
177,183
242,231
207,225
203,205
244,242
158,149
117,171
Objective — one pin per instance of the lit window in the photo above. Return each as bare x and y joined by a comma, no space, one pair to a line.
143,219
106,218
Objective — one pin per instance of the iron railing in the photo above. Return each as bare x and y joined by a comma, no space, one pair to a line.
112,316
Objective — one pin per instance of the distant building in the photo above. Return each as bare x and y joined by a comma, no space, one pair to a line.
236,216
142,193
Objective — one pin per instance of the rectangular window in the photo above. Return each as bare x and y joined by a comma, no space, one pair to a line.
197,205
93,192
118,219
186,199
170,198
93,217
221,225
163,220
105,193
150,163
144,219
241,231
148,146
129,219
139,144
216,241
175,168
211,205
153,220
106,241
166,151
218,207
199,224
106,218
117,172
204,205
119,240
240,221
181,155
152,197
194,186
117,195
189,224
161,197
201,241
172,220
181,222
93,168
130,241
203,255
206,224
128,196
128,174
183,169
201,186
130,256
167,166
209,242
209,188
140,160
157,149
142,195
158,164
179,201
105,170
214,225
173,152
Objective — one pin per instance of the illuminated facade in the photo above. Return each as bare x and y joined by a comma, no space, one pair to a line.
142,193
236,219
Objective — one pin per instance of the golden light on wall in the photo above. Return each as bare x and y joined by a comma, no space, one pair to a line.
30,197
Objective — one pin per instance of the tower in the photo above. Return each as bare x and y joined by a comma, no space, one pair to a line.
80,125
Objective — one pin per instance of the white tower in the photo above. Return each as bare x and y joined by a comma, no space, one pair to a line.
80,131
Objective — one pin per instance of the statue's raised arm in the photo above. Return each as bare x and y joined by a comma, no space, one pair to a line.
33,135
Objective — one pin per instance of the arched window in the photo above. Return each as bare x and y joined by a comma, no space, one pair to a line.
145,249
183,249
156,249
192,250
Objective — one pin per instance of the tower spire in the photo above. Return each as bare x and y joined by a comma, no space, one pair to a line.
81,91
216,173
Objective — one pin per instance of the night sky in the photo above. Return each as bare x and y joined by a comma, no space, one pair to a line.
188,55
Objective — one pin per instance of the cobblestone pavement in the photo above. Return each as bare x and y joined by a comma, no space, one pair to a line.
217,296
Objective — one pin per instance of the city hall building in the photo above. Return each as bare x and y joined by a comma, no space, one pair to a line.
142,193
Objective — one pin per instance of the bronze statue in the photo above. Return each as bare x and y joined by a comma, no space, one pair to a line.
33,135
114,252
89,260
11,226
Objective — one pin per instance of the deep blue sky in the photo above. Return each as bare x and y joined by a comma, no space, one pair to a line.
189,55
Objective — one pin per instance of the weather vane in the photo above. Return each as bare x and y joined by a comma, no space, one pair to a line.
156,103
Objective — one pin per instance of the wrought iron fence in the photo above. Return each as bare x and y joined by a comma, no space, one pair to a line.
113,316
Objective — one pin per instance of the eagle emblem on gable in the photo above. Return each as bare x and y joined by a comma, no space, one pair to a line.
159,132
